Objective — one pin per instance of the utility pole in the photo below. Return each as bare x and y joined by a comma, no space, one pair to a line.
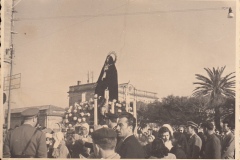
88,77
11,66
92,76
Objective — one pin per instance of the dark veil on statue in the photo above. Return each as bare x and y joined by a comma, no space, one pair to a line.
108,78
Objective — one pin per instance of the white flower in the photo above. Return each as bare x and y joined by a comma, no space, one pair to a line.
84,119
79,119
75,111
82,114
118,105
74,118
79,107
76,104
70,115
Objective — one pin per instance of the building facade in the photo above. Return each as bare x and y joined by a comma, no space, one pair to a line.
126,92
50,116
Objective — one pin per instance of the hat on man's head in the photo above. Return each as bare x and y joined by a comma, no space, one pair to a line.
30,112
192,124
104,133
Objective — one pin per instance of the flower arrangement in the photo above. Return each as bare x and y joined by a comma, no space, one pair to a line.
84,111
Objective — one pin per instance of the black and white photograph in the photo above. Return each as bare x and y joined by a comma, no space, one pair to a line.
120,79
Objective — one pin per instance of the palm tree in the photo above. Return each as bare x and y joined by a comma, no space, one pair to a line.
217,88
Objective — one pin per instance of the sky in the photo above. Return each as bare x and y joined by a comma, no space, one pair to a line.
160,44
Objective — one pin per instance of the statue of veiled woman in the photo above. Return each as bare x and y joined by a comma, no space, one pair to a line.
108,78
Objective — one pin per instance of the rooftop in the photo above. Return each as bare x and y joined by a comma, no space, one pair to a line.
52,110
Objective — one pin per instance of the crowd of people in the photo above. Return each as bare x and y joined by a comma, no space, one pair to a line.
120,139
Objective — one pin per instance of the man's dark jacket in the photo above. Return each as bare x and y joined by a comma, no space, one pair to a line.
131,149
212,148
178,152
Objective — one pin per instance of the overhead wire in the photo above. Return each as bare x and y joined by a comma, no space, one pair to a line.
64,28
121,14
16,4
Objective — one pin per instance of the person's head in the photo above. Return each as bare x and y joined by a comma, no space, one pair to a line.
208,128
126,125
181,129
30,116
191,127
200,128
111,120
164,133
144,128
151,138
84,129
159,149
227,126
104,140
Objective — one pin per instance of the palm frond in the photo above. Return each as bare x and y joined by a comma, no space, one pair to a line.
203,78
210,73
203,84
216,86
227,78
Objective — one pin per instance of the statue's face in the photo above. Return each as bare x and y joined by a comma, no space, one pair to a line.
108,59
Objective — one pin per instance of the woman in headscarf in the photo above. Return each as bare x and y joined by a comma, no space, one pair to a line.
59,148
166,135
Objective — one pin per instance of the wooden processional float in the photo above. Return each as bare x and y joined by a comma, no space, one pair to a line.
112,108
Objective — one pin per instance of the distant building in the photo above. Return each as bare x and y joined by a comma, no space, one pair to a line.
49,116
125,92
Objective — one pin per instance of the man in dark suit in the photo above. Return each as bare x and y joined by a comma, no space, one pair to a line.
203,138
129,148
26,141
212,148
194,141
228,142
184,139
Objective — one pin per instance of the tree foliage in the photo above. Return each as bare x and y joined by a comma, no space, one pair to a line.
217,88
174,110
